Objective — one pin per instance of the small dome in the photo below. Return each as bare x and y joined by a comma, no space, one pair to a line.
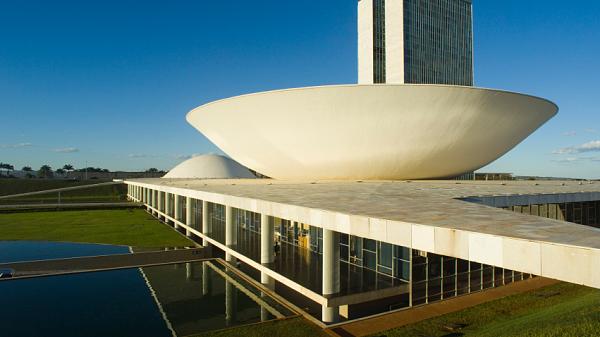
209,166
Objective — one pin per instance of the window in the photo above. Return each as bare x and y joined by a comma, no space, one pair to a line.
356,252
385,258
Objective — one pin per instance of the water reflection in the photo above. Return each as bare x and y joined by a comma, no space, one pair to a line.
202,296
14,251
168,300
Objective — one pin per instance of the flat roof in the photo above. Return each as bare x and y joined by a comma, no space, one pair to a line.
426,215
433,203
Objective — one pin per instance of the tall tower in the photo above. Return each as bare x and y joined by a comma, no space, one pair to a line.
415,41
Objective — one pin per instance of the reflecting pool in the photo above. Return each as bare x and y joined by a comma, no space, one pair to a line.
166,300
13,251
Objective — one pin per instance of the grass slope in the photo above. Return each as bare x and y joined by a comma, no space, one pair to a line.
15,186
132,227
293,327
111,193
559,310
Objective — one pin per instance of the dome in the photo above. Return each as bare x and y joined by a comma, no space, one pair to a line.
209,166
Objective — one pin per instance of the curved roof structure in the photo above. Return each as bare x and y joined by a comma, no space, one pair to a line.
370,131
209,166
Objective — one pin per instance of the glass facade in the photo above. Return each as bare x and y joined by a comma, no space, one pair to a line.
379,41
438,42
367,264
583,213
216,217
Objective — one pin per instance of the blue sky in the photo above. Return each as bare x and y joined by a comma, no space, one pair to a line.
108,83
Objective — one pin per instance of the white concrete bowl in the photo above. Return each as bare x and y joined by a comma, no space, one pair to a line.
370,131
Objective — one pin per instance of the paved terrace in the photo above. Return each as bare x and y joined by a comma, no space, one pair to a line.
429,216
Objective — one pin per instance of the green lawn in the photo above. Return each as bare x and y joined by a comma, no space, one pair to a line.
15,186
559,310
293,327
110,193
131,227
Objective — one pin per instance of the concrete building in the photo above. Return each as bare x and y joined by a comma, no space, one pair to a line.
340,230
415,41
358,248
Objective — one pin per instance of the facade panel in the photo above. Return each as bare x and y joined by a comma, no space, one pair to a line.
438,42
365,42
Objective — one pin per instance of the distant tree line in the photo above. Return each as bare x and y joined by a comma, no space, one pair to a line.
46,171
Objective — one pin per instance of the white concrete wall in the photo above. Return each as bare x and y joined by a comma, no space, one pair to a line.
394,41
365,42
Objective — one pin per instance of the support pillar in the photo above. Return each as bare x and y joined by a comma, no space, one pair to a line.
189,215
155,199
176,210
331,273
160,202
267,233
267,254
152,200
230,233
206,227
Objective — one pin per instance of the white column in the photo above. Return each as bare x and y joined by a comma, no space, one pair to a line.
177,210
267,232
331,272
230,233
160,203
189,215
155,199
206,230
267,256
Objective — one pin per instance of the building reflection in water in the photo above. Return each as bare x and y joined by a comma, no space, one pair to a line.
202,296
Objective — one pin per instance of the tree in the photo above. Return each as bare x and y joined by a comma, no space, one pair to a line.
45,172
7,167
28,171
61,171
68,167
152,170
